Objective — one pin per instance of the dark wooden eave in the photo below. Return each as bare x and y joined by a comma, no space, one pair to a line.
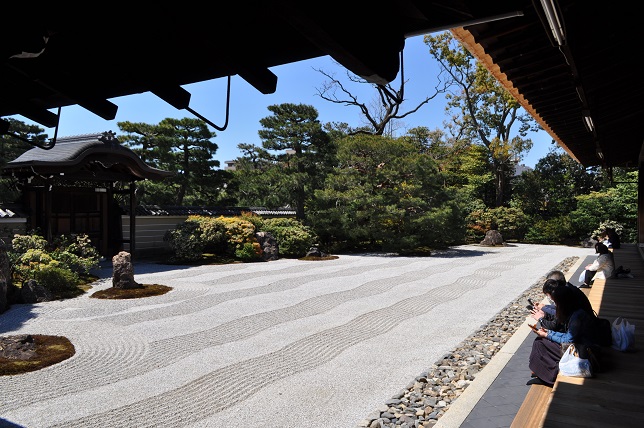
54,55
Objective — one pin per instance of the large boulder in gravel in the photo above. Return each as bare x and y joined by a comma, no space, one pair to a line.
492,238
123,271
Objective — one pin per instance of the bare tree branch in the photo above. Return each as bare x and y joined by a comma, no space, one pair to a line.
384,110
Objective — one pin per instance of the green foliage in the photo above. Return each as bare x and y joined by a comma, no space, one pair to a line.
256,220
235,237
618,228
293,238
295,156
557,230
28,262
56,278
21,243
183,146
186,242
512,223
76,253
615,204
550,189
58,266
212,231
219,235
249,252
385,195
238,232
486,114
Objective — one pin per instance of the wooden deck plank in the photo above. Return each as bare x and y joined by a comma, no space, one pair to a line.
531,410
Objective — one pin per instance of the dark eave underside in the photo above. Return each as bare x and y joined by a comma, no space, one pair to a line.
89,61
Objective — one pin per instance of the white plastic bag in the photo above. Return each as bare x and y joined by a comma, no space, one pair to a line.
571,365
582,277
623,334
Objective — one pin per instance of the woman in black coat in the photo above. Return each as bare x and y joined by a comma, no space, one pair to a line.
549,345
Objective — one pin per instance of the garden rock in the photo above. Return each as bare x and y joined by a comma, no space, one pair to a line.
123,276
268,243
20,347
492,238
32,292
315,252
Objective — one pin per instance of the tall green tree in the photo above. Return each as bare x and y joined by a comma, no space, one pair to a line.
296,152
11,148
483,110
616,202
550,190
258,178
463,166
384,195
183,146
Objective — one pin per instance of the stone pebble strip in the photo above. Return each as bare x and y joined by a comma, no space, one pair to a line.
431,393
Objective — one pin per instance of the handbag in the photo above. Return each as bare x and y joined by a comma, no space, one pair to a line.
571,364
602,331
623,334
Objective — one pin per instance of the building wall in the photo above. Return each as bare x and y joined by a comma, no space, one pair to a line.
10,227
149,233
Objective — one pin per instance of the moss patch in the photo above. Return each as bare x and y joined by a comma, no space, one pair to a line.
146,290
47,351
313,258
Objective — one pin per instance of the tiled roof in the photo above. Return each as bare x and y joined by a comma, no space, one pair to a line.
157,210
10,211
81,150
69,148
6,213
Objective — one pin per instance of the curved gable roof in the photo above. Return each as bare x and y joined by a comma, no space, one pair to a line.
85,156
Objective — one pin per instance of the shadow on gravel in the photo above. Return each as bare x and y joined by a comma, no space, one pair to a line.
462,252
106,270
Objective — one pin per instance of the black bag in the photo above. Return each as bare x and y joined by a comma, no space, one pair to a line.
603,332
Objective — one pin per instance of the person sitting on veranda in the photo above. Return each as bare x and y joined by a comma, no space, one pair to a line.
545,314
612,237
601,268
547,346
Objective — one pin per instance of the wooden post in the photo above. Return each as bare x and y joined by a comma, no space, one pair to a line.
132,219
640,205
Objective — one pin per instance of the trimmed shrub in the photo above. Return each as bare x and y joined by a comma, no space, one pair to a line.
249,252
511,222
56,278
223,236
186,241
293,238
554,231
76,253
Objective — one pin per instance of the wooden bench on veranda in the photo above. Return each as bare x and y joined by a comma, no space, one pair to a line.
615,396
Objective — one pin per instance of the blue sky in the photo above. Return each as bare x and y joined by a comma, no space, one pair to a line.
297,83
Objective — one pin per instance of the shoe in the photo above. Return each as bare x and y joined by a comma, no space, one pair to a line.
533,375
538,381
585,286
